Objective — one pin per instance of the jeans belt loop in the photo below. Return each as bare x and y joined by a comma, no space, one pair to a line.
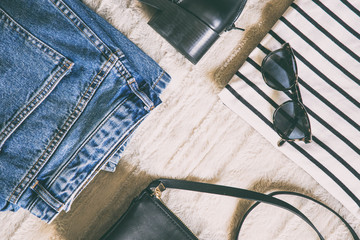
132,83
47,196
149,105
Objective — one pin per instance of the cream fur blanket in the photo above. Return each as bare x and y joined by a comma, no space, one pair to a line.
193,136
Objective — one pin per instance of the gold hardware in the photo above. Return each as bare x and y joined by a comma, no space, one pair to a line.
158,190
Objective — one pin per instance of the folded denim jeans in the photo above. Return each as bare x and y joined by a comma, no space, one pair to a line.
72,91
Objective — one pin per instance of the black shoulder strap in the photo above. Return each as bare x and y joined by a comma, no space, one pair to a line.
354,235
245,194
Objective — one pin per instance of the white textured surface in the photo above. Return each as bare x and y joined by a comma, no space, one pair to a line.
193,135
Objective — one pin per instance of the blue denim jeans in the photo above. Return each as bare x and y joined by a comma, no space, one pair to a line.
72,91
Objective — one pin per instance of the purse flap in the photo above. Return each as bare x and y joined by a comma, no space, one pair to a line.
148,218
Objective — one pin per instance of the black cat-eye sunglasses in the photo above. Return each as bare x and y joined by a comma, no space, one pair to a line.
290,119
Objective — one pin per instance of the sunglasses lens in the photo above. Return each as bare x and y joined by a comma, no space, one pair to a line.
291,121
279,69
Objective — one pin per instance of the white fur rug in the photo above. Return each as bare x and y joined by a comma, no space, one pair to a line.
193,136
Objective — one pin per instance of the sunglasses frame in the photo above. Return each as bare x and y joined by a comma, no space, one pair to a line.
295,97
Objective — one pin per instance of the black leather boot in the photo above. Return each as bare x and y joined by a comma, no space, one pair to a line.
192,26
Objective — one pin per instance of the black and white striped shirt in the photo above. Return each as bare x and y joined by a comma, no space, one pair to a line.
325,36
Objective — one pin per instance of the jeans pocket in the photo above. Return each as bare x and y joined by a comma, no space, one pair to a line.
29,71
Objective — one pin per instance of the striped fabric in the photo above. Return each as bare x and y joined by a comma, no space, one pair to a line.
325,36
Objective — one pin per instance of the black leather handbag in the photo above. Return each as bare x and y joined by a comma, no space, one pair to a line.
149,218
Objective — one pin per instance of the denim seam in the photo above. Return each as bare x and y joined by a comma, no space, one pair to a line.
124,137
158,79
117,145
84,184
131,80
86,141
56,56
40,194
134,86
119,53
32,205
47,153
89,34
34,103
155,83
144,98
